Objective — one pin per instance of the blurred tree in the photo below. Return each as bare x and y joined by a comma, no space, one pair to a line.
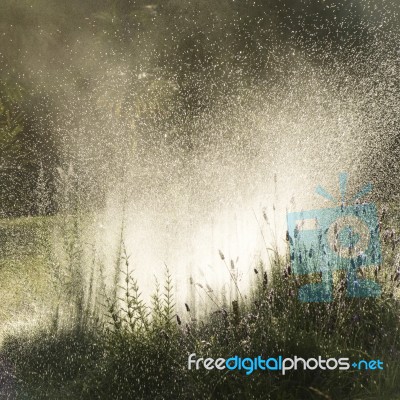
10,117
25,146
11,154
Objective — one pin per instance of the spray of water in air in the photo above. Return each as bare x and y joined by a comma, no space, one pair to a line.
195,162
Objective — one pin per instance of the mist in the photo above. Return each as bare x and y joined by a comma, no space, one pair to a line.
193,130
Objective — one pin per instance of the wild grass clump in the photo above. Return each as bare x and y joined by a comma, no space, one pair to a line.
134,350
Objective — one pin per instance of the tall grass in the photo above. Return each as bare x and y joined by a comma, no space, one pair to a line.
128,349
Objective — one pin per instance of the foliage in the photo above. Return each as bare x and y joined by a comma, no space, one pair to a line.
10,118
134,350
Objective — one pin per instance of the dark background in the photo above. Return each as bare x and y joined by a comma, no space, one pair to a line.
180,59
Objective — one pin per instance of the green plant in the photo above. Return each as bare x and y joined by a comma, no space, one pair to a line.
141,350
